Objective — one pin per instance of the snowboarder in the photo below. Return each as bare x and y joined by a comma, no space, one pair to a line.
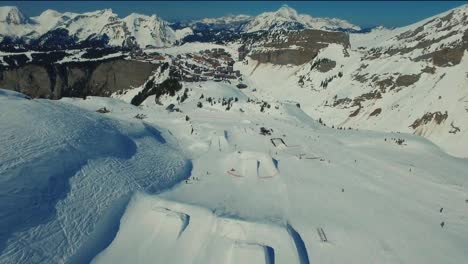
442,224
441,209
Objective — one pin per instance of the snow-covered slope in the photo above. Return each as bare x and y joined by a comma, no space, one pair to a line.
229,175
66,175
268,184
288,18
411,79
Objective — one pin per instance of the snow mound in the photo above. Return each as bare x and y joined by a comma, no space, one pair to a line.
63,169
158,230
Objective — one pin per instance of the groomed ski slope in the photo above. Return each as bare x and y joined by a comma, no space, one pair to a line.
66,175
251,199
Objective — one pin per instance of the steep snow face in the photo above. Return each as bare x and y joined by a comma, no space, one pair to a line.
149,30
288,18
11,15
66,175
84,25
143,30
424,37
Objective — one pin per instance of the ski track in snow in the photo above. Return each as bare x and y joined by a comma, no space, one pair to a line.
63,173
354,187
241,197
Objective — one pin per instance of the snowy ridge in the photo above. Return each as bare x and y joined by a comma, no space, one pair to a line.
443,30
143,31
225,19
288,18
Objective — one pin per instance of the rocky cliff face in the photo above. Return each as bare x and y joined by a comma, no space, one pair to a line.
77,79
293,47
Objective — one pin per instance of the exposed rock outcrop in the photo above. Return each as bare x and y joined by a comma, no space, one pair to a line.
78,79
437,117
293,47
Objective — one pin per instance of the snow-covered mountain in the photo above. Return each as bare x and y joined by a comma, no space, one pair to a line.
143,30
285,18
288,18
11,15
13,23
411,79
135,29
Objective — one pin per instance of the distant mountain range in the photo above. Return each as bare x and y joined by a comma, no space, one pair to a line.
52,30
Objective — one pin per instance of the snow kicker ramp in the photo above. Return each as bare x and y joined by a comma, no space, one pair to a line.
154,230
248,164
66,175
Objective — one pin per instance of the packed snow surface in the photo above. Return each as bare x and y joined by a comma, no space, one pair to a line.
66,175
247,183
251,201
303,194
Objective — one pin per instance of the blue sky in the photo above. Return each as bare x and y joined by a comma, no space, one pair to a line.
363,13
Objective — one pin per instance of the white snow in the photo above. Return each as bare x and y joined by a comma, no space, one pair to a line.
11,15
225,19
63,170
438,92
238,205
194,47
203,185
182,33
286,14
245,200
147,30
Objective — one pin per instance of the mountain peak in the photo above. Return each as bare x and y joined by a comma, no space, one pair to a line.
12,15
288,18
287,12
